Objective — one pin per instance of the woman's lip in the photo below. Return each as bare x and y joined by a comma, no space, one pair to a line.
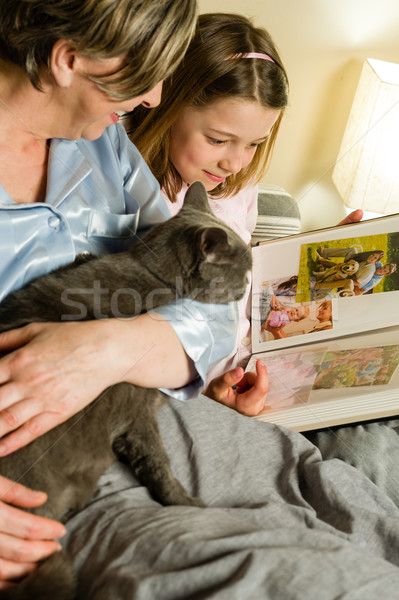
214,177
114,117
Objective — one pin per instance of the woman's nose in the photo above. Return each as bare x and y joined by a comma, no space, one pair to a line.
153,97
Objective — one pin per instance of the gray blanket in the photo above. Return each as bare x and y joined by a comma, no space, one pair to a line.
281,523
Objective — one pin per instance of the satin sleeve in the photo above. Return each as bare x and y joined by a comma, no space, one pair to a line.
207,333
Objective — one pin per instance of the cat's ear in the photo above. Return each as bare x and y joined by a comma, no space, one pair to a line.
196,197
214,245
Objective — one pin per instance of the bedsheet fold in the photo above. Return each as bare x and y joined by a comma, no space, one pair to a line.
281,523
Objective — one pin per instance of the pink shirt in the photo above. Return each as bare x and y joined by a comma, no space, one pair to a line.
240,213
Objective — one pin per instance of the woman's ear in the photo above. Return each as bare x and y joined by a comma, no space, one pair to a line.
63,62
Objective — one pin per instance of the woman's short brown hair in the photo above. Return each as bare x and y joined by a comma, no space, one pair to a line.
151,35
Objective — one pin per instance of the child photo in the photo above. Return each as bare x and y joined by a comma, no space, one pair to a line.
281,316
348,267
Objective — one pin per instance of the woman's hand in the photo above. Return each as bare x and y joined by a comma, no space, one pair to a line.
274,303
245,392
53,370
277,332
25,539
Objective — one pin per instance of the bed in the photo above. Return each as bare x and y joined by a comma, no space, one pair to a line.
287,517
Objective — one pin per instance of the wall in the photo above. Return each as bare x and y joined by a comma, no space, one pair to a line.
323,44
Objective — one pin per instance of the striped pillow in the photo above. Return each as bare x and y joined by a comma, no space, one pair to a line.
278,214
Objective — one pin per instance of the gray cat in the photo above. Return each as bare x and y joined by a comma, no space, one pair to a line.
183,257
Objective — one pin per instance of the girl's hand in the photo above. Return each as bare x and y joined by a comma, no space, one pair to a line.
244,392
354,217
25,539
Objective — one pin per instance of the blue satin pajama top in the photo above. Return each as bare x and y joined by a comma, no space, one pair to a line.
99,194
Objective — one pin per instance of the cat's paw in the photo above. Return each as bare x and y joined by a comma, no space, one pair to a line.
176,495
193,501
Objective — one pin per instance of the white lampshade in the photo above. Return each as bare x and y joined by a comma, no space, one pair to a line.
366,173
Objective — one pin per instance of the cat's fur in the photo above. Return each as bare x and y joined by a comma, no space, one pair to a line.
181,257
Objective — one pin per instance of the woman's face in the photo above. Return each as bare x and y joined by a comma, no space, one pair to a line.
208,144
88,111
374,257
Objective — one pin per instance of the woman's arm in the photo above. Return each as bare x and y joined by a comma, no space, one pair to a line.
56,369
53,370
277,332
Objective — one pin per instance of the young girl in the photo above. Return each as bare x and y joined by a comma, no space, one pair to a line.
217,123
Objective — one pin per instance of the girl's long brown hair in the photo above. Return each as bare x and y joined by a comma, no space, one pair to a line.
209,71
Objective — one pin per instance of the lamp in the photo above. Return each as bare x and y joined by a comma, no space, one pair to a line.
366,173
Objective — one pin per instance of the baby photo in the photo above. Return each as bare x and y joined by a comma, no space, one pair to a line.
291,378
281,316
349,267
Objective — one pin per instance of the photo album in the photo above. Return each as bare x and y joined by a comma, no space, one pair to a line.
325,322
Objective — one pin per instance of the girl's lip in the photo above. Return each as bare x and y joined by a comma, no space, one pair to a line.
114,117
214,177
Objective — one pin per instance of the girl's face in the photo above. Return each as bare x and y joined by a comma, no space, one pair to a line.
324,312
210,143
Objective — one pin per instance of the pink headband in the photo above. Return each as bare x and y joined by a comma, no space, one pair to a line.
254,55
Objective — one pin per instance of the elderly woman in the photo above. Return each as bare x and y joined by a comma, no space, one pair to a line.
72,182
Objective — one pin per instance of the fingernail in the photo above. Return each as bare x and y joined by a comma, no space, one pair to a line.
237,372
61,531
39,495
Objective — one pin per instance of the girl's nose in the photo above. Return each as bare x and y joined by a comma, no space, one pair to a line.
232,162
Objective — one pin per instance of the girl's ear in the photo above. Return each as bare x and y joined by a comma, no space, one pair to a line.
63,62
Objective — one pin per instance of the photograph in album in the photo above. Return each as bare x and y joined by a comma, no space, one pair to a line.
348,267
326,325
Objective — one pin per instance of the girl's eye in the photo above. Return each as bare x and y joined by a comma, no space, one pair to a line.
216,142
